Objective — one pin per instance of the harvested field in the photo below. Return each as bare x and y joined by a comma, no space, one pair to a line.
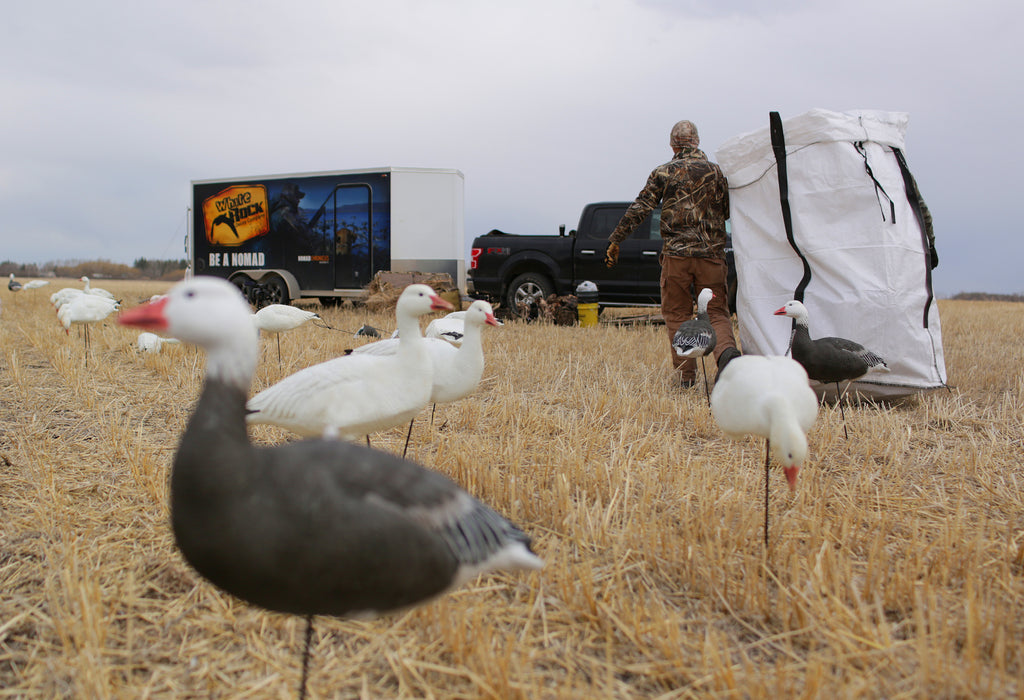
896,569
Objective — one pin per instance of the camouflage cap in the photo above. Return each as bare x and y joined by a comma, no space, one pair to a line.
684,134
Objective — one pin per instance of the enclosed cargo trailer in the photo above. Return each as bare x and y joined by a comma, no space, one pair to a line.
325,235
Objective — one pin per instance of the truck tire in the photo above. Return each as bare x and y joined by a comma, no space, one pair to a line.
276,291
525,292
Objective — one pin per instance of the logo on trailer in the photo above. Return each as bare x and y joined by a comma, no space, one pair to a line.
236,214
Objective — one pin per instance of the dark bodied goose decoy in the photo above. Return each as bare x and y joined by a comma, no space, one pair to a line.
312,527
696,337
829,360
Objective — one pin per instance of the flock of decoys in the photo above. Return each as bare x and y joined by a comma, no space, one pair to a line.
326,526
75,306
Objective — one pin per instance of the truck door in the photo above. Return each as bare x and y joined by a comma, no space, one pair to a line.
635,279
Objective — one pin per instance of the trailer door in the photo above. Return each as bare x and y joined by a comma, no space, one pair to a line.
347,214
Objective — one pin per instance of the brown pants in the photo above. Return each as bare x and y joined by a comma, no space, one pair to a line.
677,274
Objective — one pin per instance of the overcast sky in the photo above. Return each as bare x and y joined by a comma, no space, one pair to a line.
110,109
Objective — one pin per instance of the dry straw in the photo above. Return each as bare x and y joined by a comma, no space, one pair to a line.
896,570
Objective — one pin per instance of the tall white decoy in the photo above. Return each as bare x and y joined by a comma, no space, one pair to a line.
313,527
355,395
35,284
95,291
829,360
769,397
64,295
85,309
696,337
457,370
279,318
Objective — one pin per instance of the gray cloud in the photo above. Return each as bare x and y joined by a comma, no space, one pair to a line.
112,108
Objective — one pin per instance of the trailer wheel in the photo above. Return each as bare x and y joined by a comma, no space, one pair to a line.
276,291
525,292
248,287
242,282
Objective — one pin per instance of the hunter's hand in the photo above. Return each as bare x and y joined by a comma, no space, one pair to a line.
611,256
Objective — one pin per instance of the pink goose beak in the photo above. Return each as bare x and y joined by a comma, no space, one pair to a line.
439,304
149,316
791,476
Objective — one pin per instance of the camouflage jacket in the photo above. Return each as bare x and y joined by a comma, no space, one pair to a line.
694,199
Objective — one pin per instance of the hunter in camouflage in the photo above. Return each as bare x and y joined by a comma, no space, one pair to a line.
694,199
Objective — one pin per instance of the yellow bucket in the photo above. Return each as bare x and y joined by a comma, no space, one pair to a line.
587,314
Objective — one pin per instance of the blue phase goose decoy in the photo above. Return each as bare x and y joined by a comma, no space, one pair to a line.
696,337
312,527
829,360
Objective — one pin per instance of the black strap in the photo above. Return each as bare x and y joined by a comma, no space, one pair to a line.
914,197
779,147
859,145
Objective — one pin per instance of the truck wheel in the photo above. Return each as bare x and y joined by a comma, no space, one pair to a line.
525,292
276,291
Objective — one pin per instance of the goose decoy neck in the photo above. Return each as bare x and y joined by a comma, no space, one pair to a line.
218,422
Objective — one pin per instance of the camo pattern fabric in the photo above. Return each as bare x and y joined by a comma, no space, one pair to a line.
694,198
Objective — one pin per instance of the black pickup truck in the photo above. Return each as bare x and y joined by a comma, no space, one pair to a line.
518,270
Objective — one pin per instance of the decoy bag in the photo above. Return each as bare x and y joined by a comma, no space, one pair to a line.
824,209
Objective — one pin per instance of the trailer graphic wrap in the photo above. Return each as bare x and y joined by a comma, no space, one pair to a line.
236,214
330,231
326,234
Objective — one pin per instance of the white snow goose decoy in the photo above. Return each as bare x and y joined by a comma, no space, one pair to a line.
829,360
450,327
95,291
358,394
456,370
768,397
696,337
279,318
85,309
312,527
151,342
64,295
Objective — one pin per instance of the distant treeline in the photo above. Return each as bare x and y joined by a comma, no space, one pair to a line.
983,296
100,269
